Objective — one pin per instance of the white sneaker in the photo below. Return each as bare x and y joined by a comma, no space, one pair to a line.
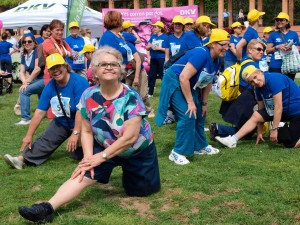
209,150
178,159
14,162
151,114
17,110
23,122
229,141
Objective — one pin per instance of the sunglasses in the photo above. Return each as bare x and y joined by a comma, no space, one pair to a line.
259,49
27,42
279,20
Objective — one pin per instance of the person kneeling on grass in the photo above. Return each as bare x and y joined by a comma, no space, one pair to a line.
278,100
62,94
114,133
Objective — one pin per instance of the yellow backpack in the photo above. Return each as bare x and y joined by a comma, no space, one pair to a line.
229,81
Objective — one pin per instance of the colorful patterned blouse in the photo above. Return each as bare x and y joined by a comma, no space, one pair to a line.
107,117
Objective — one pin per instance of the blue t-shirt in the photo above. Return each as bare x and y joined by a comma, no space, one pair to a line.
129,38
76,44
250,34
205,66
242,82
70,96
229,56
30,64
275,39
4,50
110,39
39,40
174,44
275,83
160,41
190,40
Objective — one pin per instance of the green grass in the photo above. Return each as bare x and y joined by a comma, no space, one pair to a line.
251,184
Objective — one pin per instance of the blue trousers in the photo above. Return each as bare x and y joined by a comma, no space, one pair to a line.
224,131
190,134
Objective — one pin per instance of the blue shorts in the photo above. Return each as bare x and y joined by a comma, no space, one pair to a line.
140,171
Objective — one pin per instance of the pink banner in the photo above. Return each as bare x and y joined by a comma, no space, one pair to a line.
143,18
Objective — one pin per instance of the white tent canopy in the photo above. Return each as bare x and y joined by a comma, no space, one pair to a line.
36,13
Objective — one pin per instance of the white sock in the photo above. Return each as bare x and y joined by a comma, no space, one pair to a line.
235,137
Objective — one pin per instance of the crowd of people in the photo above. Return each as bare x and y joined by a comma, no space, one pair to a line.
98,97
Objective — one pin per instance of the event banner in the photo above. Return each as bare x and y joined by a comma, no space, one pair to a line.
143,18
75,12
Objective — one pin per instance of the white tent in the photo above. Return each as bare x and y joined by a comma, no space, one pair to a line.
36,13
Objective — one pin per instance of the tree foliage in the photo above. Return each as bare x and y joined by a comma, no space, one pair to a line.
9,3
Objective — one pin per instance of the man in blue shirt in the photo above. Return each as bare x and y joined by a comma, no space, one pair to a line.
76,43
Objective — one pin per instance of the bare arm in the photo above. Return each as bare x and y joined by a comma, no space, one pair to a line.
239,48
232,48
73,139
167,57
138,63
277,116
138,39
36,71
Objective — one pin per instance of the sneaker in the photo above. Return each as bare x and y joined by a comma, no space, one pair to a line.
17,110
14,162
39,213
209,150
150,96
213,131
178,159
23,122
170,118
229,141
151,114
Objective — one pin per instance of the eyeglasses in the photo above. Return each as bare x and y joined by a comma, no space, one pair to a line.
27,42
223,45
113,65
279,20
259,49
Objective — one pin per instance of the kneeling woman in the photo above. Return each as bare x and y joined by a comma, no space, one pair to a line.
114,133
185,82
278,100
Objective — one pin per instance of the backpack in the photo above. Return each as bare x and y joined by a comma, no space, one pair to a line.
174,59
229,81
41,57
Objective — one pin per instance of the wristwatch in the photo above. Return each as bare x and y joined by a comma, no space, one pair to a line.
75,132
104,155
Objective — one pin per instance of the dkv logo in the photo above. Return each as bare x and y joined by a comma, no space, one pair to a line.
184,12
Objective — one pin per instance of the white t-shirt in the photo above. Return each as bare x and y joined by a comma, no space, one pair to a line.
14,43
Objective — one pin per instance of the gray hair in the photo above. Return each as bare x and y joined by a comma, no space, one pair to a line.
106,50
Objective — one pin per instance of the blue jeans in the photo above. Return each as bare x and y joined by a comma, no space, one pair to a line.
224,131
36,87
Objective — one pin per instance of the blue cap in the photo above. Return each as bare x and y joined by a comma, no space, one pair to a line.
29,35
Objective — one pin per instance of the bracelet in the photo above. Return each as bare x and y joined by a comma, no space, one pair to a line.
203,103
274,128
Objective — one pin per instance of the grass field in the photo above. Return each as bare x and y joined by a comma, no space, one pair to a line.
251,184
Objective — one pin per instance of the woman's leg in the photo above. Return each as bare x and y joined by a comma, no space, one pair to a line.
152,76
69,191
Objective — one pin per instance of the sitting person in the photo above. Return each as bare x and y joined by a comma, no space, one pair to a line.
62,94
238,111
278,100
114,133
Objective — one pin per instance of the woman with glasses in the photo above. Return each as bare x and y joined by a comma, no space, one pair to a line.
238,111
281,41
185,90
235,36
45,33
32,84
114,133
61,95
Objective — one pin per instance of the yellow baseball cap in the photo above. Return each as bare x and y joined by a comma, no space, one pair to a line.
159,24
268,30
282,15
54,59
73,24
126,24
218,35
248,71
178,19
205,19
87,48
188,20
254,15
237,24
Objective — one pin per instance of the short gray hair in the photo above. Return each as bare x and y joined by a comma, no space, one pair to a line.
106,50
